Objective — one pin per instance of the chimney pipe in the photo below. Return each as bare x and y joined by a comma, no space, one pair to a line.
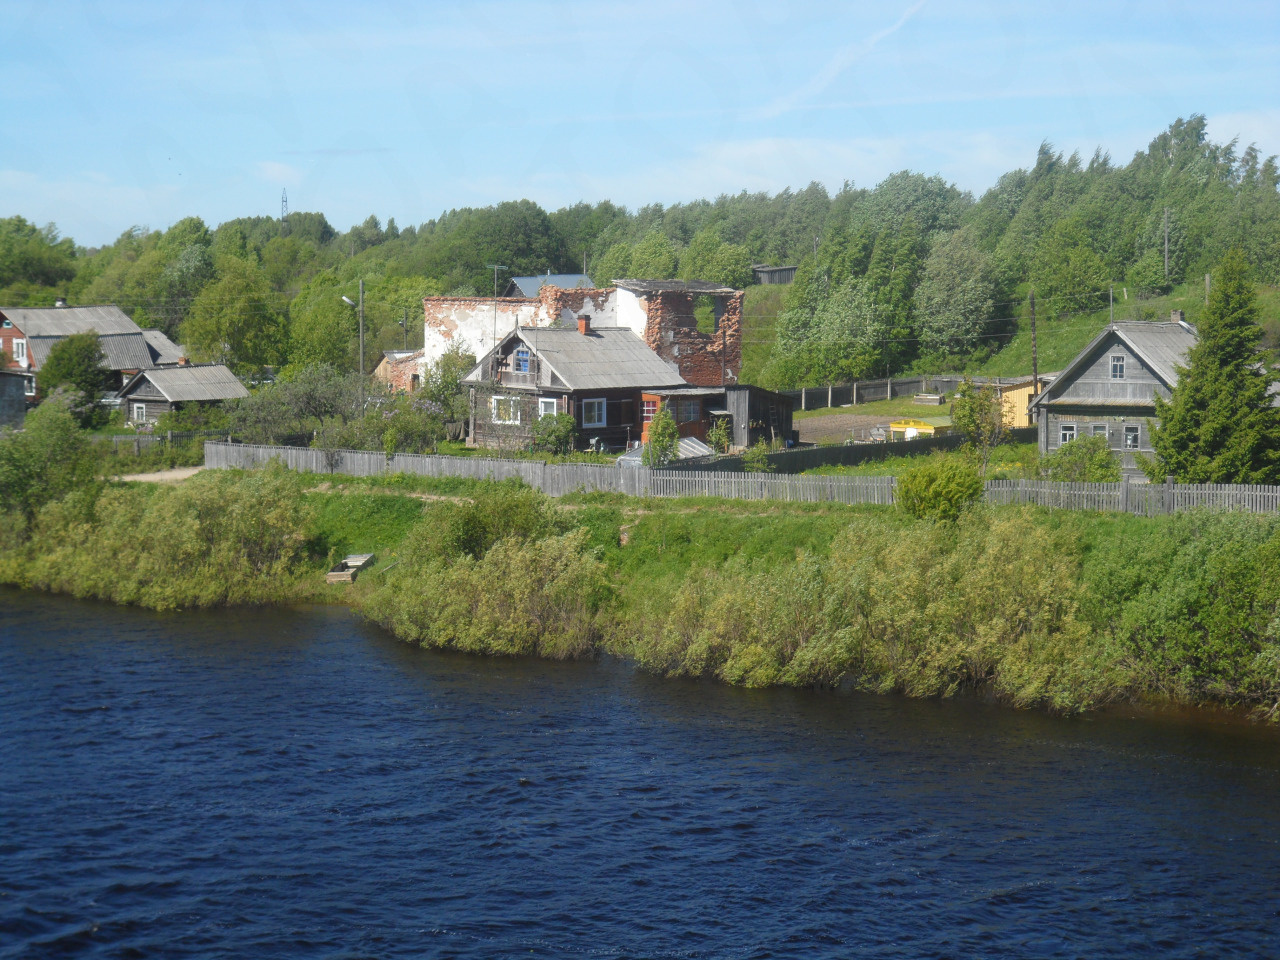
1178,316
60,302
584,325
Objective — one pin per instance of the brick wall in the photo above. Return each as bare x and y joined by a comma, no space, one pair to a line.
403,375
704,359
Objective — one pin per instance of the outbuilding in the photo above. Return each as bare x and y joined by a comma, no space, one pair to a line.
151,393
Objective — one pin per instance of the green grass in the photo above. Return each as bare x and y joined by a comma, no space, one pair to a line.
1012,460
348,523
897,407
760,309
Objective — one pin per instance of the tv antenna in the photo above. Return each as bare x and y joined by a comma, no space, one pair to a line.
284,211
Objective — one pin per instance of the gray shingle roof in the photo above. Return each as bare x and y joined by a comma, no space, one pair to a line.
529,286
182,384
607,357
163,350
64,321
1164,346
122,340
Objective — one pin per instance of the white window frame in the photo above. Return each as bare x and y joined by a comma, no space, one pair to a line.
1136,433
1117,366
1098,429
588,404
546,407
29,385
1063,430
20,351
514,409
647,414
139,413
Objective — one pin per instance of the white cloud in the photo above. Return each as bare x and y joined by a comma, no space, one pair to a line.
281,173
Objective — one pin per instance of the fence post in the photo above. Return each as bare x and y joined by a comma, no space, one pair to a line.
1168,493
828,395
855,393
802,398
1124,493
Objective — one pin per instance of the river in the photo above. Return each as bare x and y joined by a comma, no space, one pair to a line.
296,783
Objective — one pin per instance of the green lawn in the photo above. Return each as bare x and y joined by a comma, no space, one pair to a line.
897,407
1012,460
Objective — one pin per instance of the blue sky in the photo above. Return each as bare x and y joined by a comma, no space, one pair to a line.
117,113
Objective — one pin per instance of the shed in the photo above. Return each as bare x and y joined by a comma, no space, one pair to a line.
13,398
150,393
909,428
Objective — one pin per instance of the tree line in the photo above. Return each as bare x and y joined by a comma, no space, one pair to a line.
912,273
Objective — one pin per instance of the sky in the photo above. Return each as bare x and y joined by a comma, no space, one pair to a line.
116,113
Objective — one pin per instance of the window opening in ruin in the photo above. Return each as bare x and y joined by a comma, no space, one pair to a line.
705,313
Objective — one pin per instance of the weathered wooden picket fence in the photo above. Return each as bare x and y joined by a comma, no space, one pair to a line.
557,479
138,442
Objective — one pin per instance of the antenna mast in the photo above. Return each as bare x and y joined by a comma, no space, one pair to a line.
284,211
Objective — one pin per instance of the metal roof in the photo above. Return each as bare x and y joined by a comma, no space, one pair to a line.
184,383
64,321
123,351
673,286
928,421
687,448
163,350
607,357
530,286
1162,346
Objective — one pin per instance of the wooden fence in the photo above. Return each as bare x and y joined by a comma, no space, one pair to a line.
138,442
557,479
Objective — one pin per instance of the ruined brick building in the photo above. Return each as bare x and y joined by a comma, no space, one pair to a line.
695,325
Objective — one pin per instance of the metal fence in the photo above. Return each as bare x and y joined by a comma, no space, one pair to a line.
867,391
557,479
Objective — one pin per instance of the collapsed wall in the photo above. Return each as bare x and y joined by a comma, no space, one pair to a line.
477,323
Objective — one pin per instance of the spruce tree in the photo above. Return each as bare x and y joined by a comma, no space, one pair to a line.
1219,425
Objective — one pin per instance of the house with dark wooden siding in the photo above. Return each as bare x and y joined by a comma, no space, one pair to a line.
151,393
1109,389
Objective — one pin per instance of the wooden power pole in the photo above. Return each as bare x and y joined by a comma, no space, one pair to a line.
1035,358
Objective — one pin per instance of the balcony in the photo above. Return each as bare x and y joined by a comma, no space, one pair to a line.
510,379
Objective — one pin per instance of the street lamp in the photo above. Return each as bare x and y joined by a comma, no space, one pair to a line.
360,311
496,267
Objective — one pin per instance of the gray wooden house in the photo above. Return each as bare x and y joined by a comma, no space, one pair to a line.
595,374
150,393
1109,389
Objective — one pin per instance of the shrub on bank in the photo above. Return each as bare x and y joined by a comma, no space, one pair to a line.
939,488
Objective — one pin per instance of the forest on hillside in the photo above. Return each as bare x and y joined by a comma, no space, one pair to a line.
911,274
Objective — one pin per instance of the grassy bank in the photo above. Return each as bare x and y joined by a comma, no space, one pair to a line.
1060,610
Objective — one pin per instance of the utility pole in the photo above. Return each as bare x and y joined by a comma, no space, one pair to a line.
404,327
1166,243
1035,358
1111,302
1206,289
361,312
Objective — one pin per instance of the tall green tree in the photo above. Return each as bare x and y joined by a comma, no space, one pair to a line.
237,320
76,363
1219,425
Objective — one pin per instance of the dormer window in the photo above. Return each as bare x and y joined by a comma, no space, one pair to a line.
1117,367
520,362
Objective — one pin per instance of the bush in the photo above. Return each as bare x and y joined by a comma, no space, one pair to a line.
940,488
555,433
1083,460
755,459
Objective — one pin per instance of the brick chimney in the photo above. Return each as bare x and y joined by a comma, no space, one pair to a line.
584,325
1177,316
183,361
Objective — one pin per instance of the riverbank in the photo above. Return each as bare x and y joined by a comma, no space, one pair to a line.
1064,611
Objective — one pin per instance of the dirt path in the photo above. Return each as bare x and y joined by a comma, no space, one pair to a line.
838,426
176,475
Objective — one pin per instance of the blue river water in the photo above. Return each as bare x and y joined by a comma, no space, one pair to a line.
295,783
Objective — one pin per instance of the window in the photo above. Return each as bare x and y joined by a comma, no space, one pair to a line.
1100,430
20,351
593,414
1117,367
1066,433
688,411
546,406
505,409
650,409
521,362
31,386
7,323
139,413
1131,437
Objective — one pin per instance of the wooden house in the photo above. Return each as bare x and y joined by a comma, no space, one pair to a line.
1109,389
27,334
13,398
151,393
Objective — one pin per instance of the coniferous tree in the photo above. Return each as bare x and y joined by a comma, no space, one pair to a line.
1219,425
